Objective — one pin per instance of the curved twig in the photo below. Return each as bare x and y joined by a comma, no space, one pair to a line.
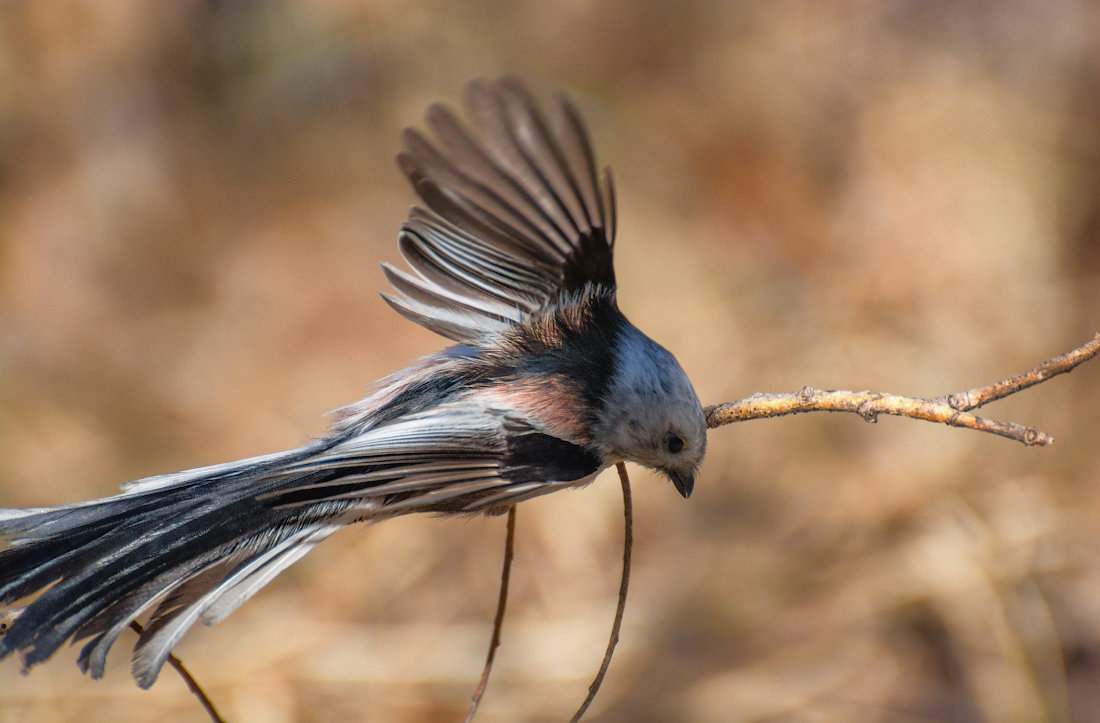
498,620
624,584
952,409
192,684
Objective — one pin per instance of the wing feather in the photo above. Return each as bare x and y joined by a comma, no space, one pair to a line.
545,161
432,251
496,174
487,106
582,160
453,454
515,214
529,219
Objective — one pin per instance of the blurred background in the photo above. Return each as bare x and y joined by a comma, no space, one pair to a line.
897,196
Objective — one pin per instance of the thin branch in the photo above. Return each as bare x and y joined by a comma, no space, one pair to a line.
975,398
7,617
192,684
624,584
498,620
952,409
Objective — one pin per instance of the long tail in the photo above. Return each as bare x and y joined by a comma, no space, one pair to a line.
195,544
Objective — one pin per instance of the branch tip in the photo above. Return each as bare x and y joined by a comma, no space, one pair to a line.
952,409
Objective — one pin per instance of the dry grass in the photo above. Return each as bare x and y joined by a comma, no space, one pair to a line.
194,199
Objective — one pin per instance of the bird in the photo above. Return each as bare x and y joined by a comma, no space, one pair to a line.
545,384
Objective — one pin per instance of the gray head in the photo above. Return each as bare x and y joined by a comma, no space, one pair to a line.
651,414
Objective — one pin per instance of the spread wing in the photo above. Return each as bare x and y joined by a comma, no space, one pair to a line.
513,217
456,457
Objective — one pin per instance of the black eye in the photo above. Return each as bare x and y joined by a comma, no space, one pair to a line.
675,443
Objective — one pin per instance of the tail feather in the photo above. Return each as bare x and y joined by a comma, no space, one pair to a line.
190,551
145,495
105,627
180,611
49,551
124,564
246,585
121,561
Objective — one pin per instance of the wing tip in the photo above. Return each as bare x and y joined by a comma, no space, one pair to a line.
529,183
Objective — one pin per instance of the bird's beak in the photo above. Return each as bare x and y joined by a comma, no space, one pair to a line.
684,482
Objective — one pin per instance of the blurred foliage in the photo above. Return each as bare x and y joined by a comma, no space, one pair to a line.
901,196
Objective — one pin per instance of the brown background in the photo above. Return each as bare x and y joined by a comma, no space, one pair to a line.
195,197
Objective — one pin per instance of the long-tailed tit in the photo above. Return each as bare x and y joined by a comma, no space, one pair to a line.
547,385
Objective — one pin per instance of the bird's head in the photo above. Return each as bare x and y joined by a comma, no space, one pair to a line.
650,413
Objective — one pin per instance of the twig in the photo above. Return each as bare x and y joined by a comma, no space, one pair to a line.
975,398
7,617
192,684
628,543
498,620
952,409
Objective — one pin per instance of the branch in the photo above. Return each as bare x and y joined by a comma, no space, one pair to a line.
192,684
624,584
952,409
7,617
498,619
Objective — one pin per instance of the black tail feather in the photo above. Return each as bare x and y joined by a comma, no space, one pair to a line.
173,546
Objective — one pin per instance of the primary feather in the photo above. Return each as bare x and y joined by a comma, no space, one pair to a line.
515,219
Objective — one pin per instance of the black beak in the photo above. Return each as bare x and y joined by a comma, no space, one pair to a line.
684,482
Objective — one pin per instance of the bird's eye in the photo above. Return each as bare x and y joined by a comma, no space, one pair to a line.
675,443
